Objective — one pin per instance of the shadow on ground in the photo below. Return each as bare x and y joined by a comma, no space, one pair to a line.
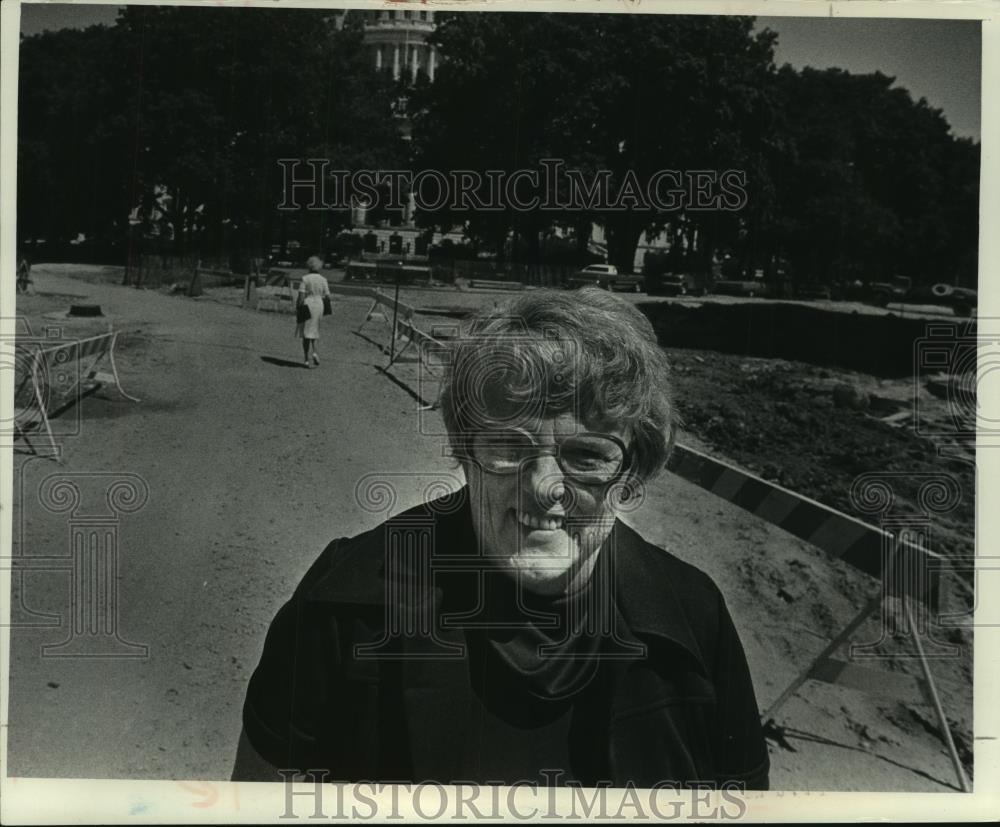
282,363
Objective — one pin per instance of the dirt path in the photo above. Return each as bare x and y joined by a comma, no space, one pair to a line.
252,464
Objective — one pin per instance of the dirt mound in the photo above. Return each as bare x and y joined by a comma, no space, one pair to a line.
782,420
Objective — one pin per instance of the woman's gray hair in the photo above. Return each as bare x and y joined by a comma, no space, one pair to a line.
548,352
314,263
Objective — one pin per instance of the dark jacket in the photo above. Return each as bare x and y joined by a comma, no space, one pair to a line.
365,676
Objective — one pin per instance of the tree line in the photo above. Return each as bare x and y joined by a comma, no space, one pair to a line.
163,133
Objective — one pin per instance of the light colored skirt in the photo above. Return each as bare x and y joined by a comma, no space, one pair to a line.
310,329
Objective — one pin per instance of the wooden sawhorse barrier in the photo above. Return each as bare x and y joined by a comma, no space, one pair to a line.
897,554
55,376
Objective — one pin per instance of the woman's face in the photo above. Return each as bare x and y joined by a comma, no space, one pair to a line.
538,523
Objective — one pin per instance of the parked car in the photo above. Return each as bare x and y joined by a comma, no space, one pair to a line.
594,275
665,284
292,254
746,287
812,290
630,283
901,290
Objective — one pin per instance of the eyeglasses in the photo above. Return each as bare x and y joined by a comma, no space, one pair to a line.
587,458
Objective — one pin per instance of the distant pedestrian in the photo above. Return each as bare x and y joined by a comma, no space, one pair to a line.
312,293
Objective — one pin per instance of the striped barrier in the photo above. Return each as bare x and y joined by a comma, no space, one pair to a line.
55,373
912,570
351,290
403,310
281,297
495,284
386,271
424,343
391,311
907,571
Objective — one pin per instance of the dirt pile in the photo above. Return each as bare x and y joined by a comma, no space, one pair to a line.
792,424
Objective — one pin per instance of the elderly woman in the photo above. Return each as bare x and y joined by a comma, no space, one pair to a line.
517,631
313,289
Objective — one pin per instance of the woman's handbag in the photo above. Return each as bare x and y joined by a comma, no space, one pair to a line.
327,306
302,313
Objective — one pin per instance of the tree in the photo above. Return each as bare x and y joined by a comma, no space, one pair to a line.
628,94
178,116
876,185
68,155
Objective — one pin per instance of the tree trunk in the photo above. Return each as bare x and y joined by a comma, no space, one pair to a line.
583,230
500,240
532,238
130,255
706,246
623,231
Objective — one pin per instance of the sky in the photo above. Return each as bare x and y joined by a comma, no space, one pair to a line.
939,60
935,59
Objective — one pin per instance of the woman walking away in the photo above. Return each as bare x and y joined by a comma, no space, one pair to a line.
313,290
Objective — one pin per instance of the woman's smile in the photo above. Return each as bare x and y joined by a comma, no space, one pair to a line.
547,522
537,521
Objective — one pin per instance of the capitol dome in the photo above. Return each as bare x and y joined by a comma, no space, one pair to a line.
398,42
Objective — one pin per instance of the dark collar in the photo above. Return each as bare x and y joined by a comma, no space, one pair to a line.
649,581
